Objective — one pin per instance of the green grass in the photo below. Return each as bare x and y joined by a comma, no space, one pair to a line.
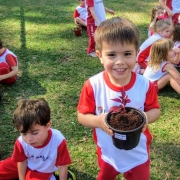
53,64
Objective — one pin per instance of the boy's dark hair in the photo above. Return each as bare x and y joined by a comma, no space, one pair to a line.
117,30
176,32
30,112
1,44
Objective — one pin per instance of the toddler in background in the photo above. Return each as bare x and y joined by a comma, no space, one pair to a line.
80,14
162,29
96,15
156,11
160,70
8,65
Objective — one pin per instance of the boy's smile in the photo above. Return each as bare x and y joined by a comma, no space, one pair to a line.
118,61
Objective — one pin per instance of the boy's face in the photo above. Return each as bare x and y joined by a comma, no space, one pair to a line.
118,60
82,2
37,135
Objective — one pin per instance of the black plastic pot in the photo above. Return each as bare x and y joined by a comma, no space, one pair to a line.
127,139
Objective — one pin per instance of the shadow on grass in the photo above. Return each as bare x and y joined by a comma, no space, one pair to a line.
165,156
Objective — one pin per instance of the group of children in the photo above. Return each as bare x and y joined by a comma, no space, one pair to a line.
40,150
91,13
160,53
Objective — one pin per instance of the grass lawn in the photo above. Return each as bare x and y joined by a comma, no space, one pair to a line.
53,64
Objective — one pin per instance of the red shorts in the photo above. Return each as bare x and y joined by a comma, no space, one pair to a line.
8,171
156,86
107,172
4,69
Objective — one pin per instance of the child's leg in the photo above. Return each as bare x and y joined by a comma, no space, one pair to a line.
4,69
107,172
79,21
165,80
140,172
8,169
91,43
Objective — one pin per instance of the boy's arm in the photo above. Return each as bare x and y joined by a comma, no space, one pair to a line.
22,167
94,121
94,15
63,171
109,11
163,4
10,74
152,115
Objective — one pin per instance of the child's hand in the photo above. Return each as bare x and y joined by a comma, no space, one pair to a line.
111,12
104,126
146,124
176,50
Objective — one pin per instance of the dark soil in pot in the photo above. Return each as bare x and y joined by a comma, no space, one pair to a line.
127,127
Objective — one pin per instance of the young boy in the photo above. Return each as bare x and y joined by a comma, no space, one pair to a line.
117,43
80,14
8,65
39,151
172,8
95,15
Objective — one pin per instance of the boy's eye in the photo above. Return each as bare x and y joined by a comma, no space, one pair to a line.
111,54
34,133
127,54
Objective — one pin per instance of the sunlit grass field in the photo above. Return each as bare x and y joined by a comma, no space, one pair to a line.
53,64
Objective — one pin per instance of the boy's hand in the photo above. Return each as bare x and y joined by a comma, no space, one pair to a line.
146,123
104,126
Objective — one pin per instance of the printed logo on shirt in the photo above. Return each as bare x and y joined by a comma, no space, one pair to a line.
100,110
40,157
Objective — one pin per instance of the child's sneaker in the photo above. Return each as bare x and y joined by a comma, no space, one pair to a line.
70,176
93,54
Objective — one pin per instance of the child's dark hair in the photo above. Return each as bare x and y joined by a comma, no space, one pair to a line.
117,30
1,44
30,112
176,32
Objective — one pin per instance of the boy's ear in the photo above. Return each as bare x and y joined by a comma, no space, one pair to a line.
48,125
98,53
